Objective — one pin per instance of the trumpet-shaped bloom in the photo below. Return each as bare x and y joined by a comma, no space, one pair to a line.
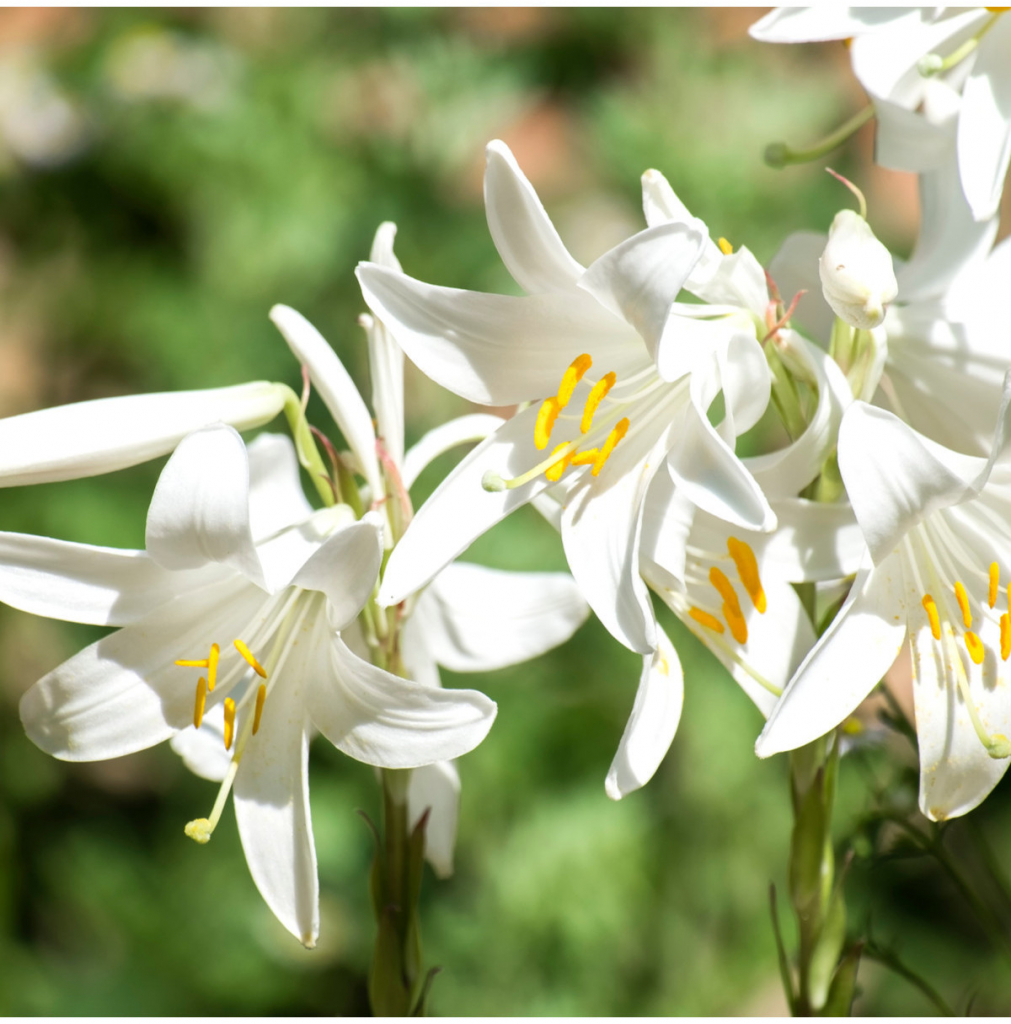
234,614
629,376
922,67
936,525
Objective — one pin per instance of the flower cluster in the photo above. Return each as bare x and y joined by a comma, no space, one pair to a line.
254,620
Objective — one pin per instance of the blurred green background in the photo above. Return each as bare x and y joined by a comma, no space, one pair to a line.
165,177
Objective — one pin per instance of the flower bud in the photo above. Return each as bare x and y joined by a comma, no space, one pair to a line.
856,272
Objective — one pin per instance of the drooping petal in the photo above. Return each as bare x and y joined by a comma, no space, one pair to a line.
845,665
712,476
498,349
345,568
640,278
984,124
200,510
271,795
124,693
666,523
463,430
521,230
746,381
203,750
895,477
286,552
90,438
81,583
276,498
476,619
795,269
335,387
383,720
435,788
652,724
461,510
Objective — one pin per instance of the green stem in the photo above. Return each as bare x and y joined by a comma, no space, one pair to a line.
305,446
779,154
892,961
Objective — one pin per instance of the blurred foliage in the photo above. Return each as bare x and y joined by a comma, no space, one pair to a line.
165,177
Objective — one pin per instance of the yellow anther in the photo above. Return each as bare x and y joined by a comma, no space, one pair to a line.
994,583
935,621
963,602
584,458
725,247
975,647
261,696
198,707
212,667
546,421
619,430
705,619
725,589
852,726
747,571
735,620
250,660
193,663
573,375
1005,636
229,722
595,397
555,471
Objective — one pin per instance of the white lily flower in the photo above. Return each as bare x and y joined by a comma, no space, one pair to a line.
940,348
645,413
234,554
922,67
469,618
936,523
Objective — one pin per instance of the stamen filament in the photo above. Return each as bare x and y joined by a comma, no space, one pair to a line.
747,571
963,603
617,433
705,619
595,397
200,829
201,700
935,622
573,375
250,660
261,696
546,422
229,722
555,471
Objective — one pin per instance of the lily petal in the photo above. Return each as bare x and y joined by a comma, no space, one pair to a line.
124,693
497,349
640,278
652,724
335,387
90,438
271,796
476,619
276,498
521,230
984,124
199,513
845,665
81,583
345,568
435,788
383,720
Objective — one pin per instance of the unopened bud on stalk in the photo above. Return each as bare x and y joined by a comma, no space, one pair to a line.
856,272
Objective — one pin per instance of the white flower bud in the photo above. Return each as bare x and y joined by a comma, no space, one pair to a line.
856,272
